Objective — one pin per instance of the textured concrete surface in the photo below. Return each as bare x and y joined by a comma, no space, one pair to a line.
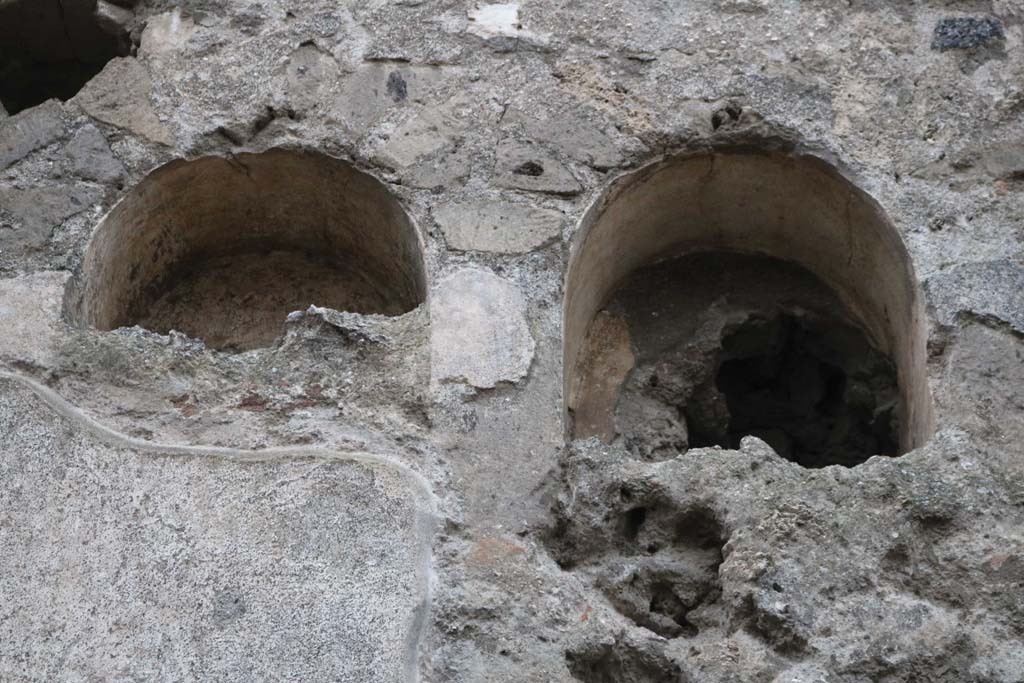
898,570
130,561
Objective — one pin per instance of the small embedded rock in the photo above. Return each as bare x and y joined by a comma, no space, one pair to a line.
964,33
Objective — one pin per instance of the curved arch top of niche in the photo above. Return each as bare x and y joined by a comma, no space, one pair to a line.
739,292
224,248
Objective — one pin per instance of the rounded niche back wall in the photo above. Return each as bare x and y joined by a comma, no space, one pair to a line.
222,249
744,292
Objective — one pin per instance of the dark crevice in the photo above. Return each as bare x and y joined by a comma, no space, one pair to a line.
706,349
52,49
816,392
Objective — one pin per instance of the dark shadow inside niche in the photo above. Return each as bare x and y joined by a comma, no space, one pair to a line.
51,48
648,369
814,390
224,249
722,345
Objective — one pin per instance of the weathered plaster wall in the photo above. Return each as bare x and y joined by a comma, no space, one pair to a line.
413,490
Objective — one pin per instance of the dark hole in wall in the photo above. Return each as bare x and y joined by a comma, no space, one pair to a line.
51,48
715,346
814,390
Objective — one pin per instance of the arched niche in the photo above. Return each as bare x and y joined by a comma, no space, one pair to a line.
742,203
224,248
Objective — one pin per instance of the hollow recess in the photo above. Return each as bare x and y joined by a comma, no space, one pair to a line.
744,292
223,249
51,48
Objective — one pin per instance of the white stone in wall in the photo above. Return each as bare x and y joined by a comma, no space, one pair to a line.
479,333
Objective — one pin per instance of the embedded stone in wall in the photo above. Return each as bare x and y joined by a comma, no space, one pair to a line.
500,28
30,309
35,212
23,134
992,289
497,227
527,167
119,95
90,158
479,333
964,33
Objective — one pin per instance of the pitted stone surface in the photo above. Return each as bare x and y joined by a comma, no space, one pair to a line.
479,333
121,564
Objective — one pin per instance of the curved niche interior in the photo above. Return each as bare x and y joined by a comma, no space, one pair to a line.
743,292
223,249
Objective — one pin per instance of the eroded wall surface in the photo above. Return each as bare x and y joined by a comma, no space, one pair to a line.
375,498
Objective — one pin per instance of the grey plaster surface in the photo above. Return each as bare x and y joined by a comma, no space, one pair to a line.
132,561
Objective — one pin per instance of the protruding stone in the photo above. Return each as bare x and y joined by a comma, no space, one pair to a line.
28,131
498,227
573,136
447,170
479,332
376,87
421,136
309,74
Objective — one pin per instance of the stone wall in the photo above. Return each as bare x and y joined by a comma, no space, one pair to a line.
434,422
